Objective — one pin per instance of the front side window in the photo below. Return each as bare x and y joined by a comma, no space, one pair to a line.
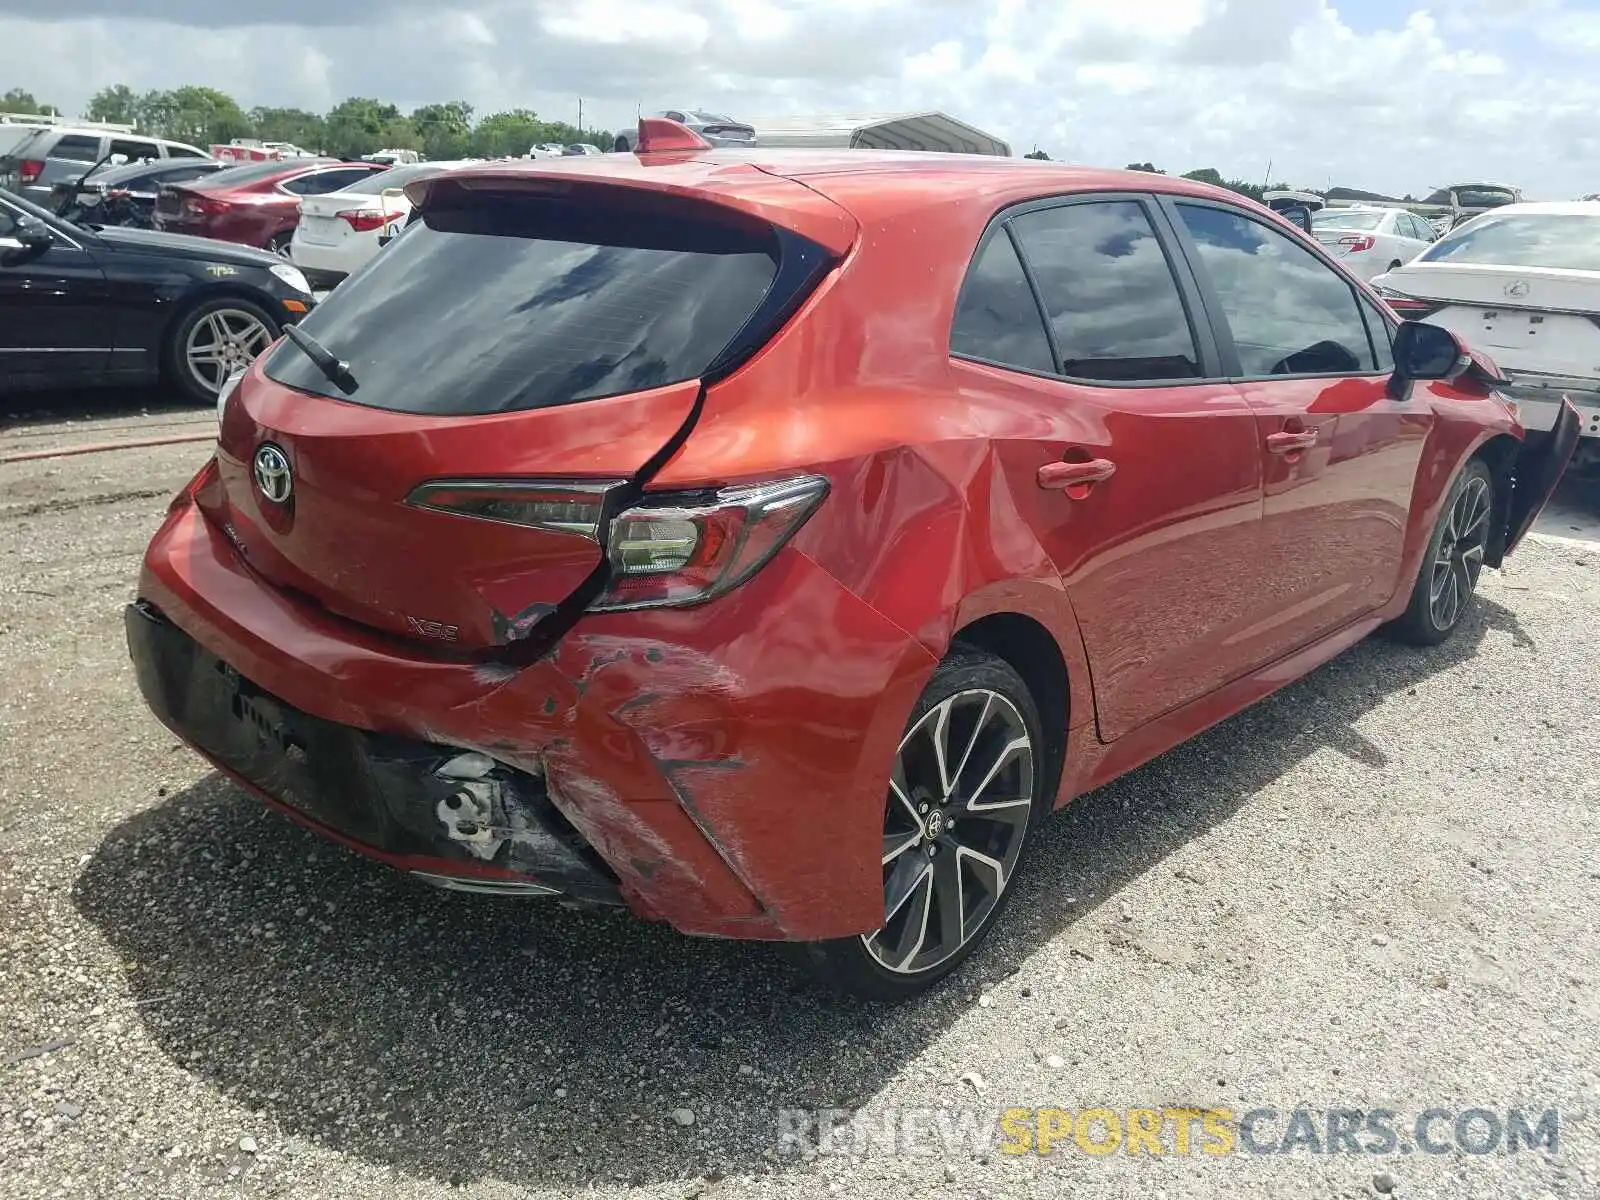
1569,240
997,319
1113,303
1290,313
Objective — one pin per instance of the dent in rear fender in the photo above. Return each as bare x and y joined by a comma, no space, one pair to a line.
774,720
932,538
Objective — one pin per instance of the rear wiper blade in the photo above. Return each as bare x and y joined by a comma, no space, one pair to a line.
333,368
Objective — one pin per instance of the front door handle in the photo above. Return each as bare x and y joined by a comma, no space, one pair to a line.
1058,475
1291,443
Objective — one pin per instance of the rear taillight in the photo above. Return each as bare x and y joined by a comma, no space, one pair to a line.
1358,241
673,550
117,193
205,206
29,169
667,554
365,220
1409,309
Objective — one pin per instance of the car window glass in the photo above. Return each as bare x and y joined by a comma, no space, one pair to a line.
1290,313
313,184
1382,331
77,147
175,151
1108,289
1570,240
135,150
338,180
8,222
997,318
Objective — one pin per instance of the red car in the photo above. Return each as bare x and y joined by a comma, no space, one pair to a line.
257,204
767,541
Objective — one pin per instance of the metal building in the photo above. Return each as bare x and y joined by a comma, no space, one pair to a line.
935,131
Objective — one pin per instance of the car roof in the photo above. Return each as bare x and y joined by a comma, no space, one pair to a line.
903,179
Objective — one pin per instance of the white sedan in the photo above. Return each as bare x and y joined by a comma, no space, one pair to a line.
340,232
1370,241
1523,283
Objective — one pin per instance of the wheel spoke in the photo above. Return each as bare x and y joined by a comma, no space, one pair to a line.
897,789
896,844
1007,753
907,876
972,742
915,934
984,862
947,890
941,737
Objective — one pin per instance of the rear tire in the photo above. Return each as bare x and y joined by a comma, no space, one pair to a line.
279,245
1395,265
1448,578
949,859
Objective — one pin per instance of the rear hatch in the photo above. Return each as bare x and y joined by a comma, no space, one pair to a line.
525,345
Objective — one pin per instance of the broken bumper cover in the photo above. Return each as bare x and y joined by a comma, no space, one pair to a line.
473,825
725,772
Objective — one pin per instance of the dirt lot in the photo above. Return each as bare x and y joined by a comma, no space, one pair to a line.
1374,891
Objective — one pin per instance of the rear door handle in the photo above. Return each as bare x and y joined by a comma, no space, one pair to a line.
1289,443
1059,475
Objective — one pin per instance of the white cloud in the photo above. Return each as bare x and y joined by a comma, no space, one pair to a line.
1394,97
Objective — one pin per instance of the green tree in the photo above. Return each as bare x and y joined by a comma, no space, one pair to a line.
115,103
508,133
19,100
1148,168
445,129
356,126
1206,175
296,125
199,115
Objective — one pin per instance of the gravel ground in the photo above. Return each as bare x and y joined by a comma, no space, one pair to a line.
1372,891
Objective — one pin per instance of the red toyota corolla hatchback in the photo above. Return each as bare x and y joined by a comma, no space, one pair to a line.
767,541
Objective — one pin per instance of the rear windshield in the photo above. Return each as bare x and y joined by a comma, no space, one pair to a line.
1567,240
508,302
394,177
12,136
1346,220
249,173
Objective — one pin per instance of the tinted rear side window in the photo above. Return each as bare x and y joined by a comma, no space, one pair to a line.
997,318
1113,303
77,148
515,302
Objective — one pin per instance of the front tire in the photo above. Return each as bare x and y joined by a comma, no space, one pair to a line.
1449,575
212,340
965,791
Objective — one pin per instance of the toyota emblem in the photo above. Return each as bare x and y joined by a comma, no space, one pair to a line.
1517,290
273,476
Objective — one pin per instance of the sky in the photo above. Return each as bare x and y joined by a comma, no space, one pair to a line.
1391,96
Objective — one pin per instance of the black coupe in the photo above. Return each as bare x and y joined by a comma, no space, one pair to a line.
82,305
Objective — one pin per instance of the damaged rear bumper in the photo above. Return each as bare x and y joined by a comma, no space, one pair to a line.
453,819
722,769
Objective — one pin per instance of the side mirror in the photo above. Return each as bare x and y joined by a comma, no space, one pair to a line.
29,239
1423,351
